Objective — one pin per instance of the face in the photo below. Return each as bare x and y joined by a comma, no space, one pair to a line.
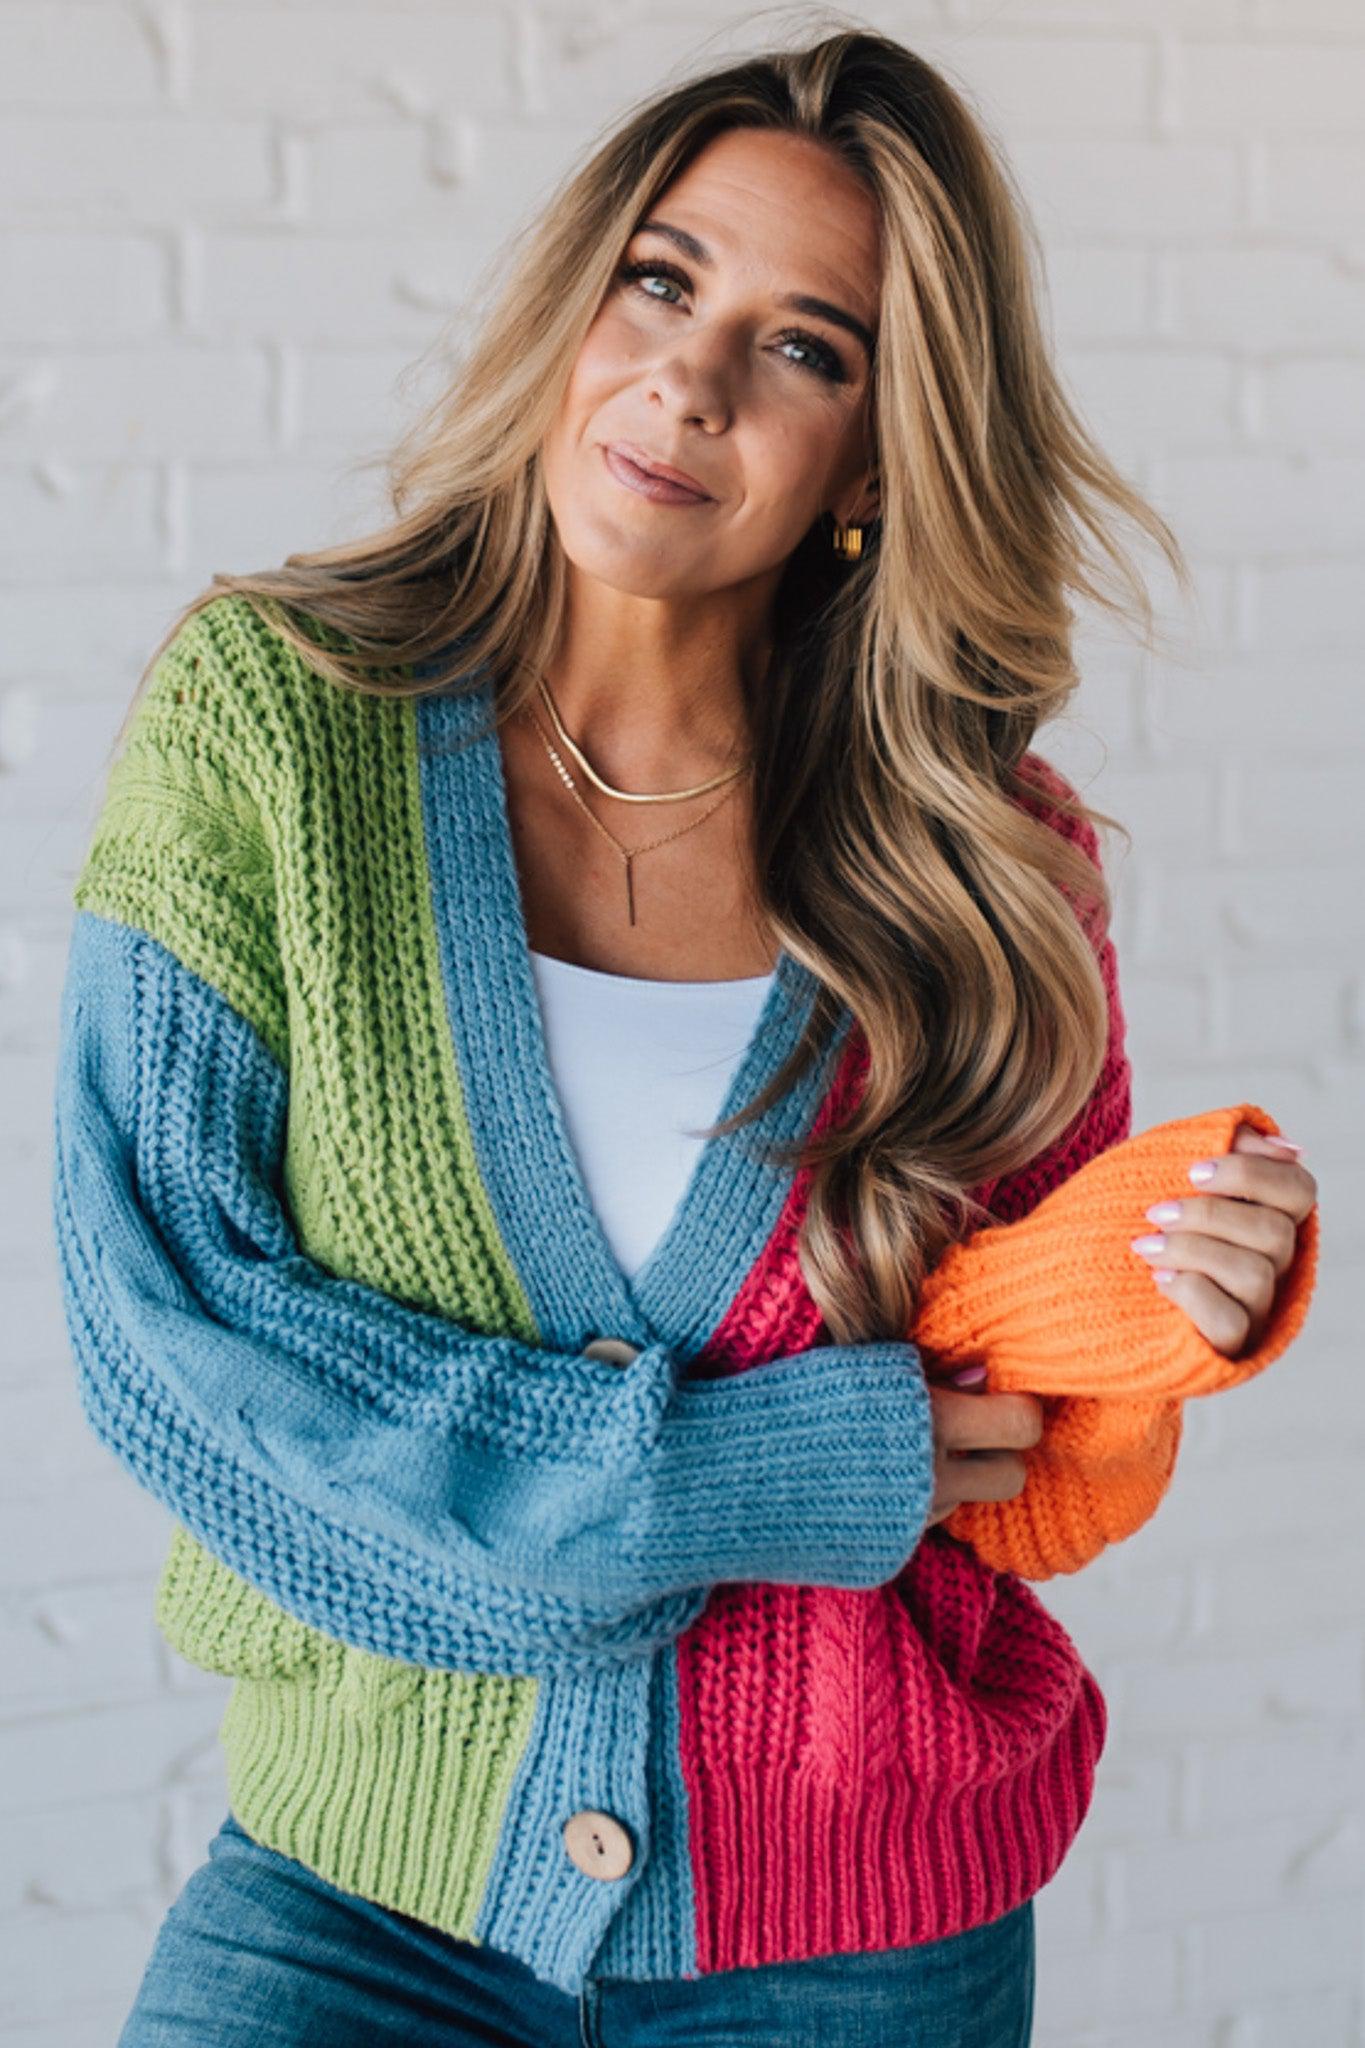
698,359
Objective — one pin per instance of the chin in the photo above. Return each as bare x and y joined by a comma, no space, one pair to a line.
606,551
634,578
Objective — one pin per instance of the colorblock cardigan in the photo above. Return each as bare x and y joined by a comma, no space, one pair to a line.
330,1271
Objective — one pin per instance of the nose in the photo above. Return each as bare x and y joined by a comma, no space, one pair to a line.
695,383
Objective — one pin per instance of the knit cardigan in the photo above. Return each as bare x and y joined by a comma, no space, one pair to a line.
332,1276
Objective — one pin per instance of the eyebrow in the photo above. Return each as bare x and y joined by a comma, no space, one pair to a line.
801,302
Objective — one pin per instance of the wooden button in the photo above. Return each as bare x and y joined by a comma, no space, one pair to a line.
597,1844
614,1349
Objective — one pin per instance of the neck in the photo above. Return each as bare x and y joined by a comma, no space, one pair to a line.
654,702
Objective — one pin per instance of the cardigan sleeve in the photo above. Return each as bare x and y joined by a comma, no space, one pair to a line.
406,1484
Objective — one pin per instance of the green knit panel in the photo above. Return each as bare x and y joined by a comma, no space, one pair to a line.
180,849
390,1781
220,1621
265,825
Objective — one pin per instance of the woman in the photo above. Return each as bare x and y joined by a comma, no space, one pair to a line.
564,1500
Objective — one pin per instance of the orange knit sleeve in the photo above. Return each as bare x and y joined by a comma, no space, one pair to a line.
1058,1305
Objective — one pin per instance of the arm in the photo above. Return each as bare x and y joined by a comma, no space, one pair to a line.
418,1489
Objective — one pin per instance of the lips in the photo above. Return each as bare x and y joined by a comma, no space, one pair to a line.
653,467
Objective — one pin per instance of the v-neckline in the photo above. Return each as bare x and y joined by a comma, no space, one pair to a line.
732,1200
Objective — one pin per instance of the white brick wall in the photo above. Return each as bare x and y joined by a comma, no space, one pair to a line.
226,231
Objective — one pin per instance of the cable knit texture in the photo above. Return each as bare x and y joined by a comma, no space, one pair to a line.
331,1274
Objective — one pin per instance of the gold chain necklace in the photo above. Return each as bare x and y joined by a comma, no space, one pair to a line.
625,796
627,854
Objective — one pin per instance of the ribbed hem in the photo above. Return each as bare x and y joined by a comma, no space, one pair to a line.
800,1867
869,1771
385,1779
369,1781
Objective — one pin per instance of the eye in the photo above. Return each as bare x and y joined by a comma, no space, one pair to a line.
631,273
826,362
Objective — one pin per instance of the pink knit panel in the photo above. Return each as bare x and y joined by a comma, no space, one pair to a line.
874,1769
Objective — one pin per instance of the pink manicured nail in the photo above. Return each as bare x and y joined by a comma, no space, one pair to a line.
970,1376
1274,1138
1202,1170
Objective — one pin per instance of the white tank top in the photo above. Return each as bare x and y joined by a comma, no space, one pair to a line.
637,1066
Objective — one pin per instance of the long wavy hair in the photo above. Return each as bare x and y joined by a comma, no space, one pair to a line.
897,846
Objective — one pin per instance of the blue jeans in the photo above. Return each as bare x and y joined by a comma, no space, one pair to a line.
258,1952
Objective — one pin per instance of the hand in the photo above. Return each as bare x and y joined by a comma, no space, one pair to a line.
977,1441
1220,1256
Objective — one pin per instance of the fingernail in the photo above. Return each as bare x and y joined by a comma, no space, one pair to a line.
1202,1170
970,1376
1274,1138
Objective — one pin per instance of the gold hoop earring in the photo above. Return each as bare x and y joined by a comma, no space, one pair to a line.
848,541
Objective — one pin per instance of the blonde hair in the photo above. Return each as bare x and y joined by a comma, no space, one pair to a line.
896,846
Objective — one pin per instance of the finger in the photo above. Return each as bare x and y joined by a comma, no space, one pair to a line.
1252,1177
1248,1276
984,1475
1247,1138
986,1422
1225,1322
1268,1231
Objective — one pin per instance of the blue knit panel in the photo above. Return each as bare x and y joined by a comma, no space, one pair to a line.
655,1933
589,1747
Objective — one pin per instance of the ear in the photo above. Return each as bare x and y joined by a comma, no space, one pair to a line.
865,507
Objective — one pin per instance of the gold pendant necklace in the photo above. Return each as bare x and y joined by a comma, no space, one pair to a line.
627,854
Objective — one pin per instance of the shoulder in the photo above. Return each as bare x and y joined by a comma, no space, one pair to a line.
1106,1117
202,760
1047,793
228,657
230,703
208,689
222,652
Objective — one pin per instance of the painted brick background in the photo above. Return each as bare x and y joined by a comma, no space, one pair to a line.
228,234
